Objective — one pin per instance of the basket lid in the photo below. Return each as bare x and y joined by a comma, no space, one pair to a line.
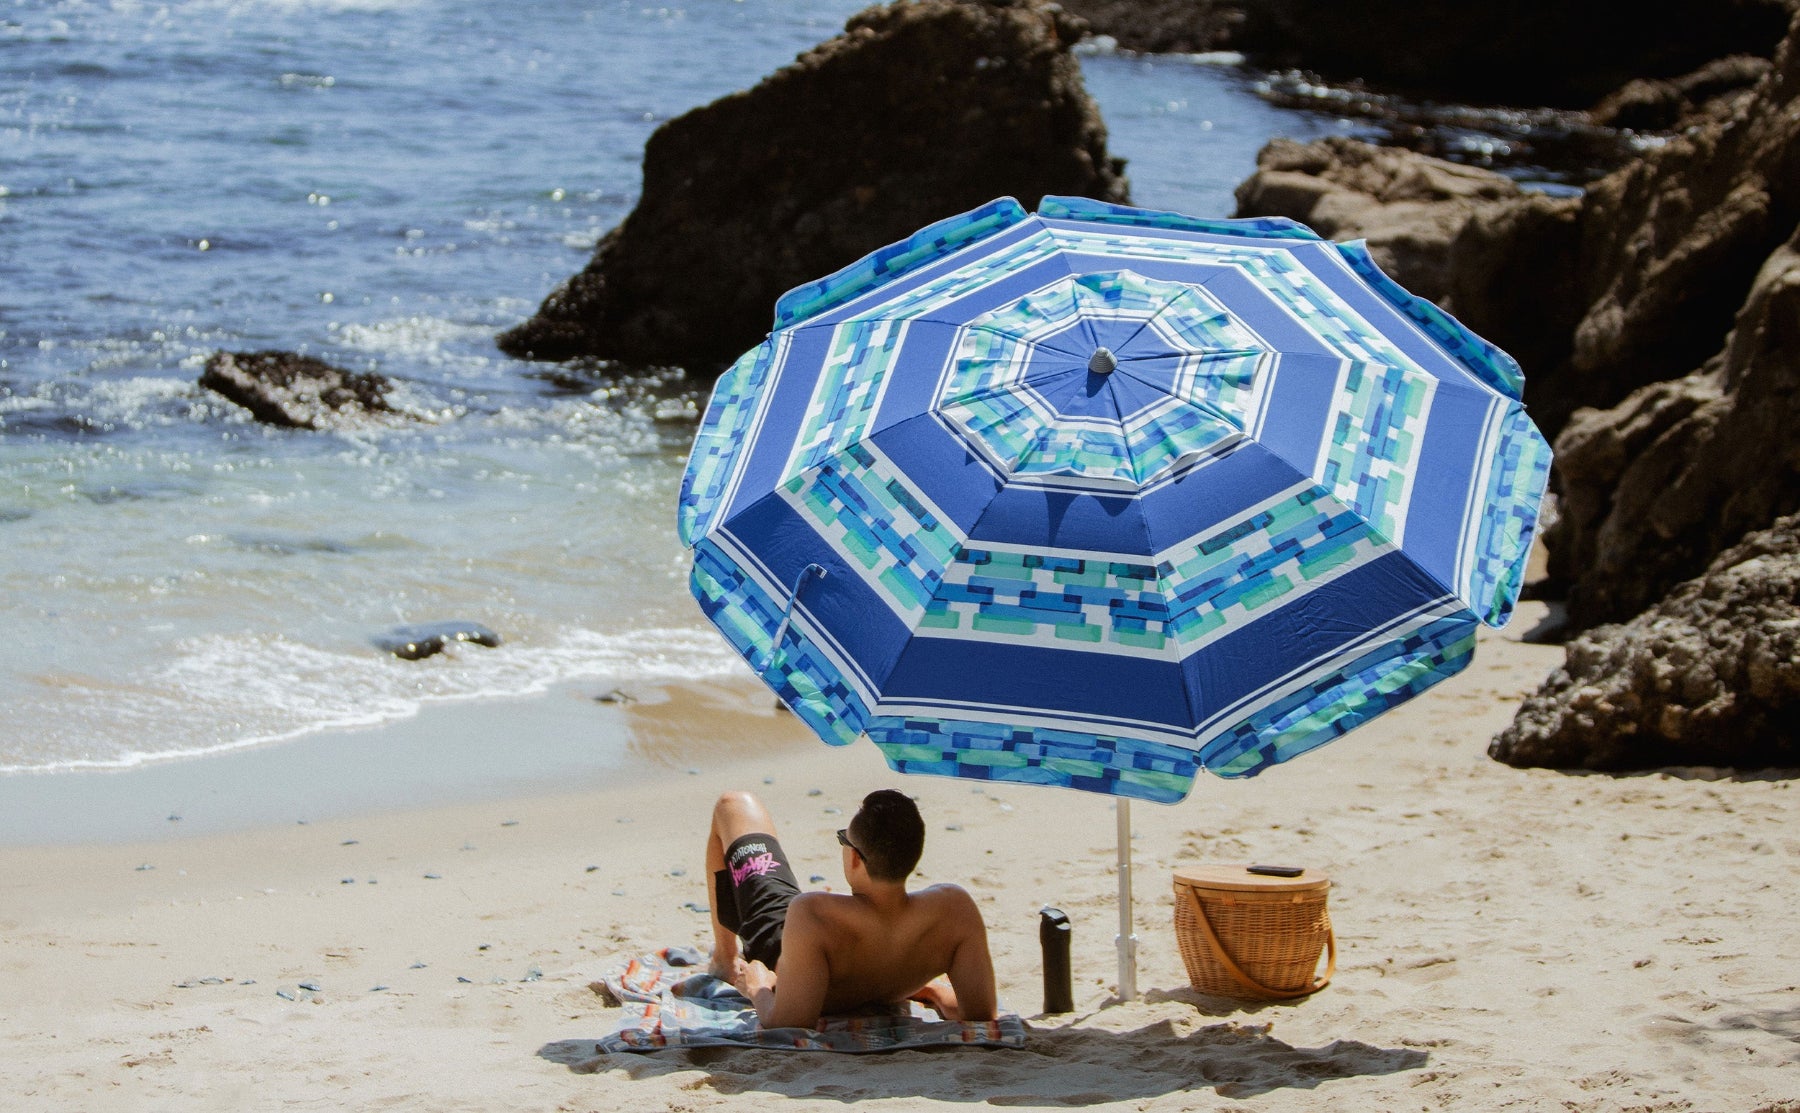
1239,879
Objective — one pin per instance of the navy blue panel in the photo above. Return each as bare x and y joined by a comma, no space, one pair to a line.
772,443
1059,520
1314,624
1131,393
857,617
1146,344
1079,393
1031,676
1223,490
940,467
1046,368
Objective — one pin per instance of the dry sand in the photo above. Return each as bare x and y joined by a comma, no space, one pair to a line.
1507,939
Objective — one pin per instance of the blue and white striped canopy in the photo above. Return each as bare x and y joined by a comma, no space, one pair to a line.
1099,497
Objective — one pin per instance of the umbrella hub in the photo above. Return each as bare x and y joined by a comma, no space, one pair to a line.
1102,362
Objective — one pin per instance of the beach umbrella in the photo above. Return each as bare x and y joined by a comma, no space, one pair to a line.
1099,497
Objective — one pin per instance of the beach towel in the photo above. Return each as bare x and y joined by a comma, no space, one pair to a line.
668,999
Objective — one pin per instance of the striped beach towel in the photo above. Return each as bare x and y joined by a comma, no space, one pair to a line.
667,999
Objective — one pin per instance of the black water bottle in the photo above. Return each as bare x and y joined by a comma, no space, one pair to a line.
1053,936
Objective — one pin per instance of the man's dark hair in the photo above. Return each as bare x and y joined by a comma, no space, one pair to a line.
889,834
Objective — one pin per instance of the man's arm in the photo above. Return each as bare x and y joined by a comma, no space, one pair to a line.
971,966
803,979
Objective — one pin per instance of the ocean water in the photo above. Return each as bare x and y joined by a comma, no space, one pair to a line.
384,184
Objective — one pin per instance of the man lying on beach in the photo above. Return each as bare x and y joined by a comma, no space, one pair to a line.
878,945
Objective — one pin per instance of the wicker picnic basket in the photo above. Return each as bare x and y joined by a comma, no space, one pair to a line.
1246,934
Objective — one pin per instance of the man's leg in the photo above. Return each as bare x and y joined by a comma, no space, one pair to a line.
734,815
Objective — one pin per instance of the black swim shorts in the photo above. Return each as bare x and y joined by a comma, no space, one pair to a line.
752,894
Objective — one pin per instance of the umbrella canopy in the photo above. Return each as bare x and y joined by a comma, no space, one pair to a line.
1099,497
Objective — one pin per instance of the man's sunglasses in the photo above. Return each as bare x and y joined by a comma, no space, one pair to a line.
844,838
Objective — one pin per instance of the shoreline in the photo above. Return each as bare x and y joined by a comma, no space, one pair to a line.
452,752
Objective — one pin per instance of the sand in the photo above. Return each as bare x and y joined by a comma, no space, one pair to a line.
1506,939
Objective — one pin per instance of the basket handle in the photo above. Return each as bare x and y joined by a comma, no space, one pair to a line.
1245,980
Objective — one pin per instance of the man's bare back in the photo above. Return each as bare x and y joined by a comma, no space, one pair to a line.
879,944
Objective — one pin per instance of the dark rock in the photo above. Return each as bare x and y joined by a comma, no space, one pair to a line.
296,391
1708,676
1410,208
1701,237
1164,26
917,112
1659,105
1685,259
1567,53
1656,486
1670,246
410,643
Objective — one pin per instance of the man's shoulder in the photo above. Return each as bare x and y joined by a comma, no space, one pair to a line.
945,892
816,902
948,901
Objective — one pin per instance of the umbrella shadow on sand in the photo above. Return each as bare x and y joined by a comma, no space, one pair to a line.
1058,1066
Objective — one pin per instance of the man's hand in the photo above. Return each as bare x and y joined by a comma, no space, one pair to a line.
937,995
757,982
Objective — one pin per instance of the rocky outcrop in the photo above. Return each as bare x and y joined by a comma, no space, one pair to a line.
1670,245
1654,487
1568,53
1697,239
917,112
299,392
1709,676
1674,266
1678,103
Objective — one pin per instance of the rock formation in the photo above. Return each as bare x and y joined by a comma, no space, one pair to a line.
413,643
917,112
1679,103
1657,318
1165,26
1697,239
298,392
1670,246
1610,302
1708,676
1568,53
1654,487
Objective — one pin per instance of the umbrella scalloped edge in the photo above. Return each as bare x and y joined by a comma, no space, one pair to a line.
883,265
1488,363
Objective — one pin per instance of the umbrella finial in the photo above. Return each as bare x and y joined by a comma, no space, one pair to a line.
1102,362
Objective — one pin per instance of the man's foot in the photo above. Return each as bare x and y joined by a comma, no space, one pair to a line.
728,971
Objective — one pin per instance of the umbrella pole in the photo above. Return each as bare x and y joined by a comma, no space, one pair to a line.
1127,941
